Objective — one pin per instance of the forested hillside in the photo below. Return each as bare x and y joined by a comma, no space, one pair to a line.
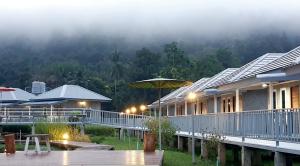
107,65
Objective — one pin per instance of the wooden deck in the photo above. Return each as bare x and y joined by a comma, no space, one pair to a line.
126,157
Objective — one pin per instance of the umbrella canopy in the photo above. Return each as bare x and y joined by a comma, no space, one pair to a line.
159,83
4,89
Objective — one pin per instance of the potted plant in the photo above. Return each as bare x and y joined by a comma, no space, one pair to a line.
150,135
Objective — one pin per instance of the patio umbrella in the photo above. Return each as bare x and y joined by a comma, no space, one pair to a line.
159,83
4,89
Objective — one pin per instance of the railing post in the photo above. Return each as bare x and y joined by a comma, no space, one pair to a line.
277,127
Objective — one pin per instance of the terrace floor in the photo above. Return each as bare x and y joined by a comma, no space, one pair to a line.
120,157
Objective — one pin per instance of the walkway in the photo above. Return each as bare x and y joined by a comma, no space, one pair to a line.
127,157
81,145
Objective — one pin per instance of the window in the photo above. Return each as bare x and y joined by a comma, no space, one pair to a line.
229,105
283,99
201,108
224,106
274,100
233,104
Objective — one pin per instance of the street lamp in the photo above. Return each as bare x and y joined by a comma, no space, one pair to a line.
192,97
133,110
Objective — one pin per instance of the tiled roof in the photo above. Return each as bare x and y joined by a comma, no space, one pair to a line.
286,60
15,96
217,78
250,69
193,87
71,92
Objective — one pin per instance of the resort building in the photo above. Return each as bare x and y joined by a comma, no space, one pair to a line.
14,98
69,96
268,82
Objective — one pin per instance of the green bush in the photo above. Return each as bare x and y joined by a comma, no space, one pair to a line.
167,130
17,128
99,130
57,130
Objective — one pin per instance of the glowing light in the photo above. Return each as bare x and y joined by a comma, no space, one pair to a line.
192,96
133,110
264,85
143,107
127,111
82,103
121,113
65,136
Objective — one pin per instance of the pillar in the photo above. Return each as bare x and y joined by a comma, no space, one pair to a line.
155,112
185,107
121,133
279,159
270,105
237,100
215,104
175,109
204,151
180,143
246,156
222,154
167,110
190,146
82,129
197,107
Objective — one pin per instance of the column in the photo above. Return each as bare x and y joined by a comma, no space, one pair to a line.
180,143
155,112
204,152
222,154
167,110
190,146
279,159
175,109
237,100
270,97
185,107
198,107
246,156
215,104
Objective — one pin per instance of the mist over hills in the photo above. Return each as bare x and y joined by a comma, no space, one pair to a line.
102,63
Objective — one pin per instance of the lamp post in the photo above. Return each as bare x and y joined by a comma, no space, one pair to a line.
192,97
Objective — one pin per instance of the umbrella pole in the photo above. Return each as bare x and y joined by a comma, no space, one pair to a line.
159,117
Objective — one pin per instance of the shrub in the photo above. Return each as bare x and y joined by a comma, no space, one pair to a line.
99,130
56,131
17,128
167,130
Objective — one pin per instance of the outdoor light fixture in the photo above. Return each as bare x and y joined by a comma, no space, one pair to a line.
121,113
143,108
82,103
133,110
127,111
65,136
192,96
264,85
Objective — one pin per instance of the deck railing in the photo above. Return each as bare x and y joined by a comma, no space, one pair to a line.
279,125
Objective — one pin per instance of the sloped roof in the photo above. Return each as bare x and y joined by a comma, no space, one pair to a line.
250,69
71,92
286,60
194,86
216,78
18,95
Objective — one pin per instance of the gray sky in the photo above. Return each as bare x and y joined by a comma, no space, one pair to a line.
148,18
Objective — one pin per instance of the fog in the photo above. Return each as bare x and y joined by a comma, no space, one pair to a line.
148,19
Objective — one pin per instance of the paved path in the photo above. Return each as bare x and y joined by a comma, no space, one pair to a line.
90,157
81,145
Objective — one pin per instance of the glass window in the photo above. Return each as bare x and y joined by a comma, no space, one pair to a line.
283,99
274,100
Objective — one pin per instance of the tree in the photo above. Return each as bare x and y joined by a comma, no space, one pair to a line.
116,72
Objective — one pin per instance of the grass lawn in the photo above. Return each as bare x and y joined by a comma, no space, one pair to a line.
20,147
171,157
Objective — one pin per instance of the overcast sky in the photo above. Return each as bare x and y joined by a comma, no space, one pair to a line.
148,18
